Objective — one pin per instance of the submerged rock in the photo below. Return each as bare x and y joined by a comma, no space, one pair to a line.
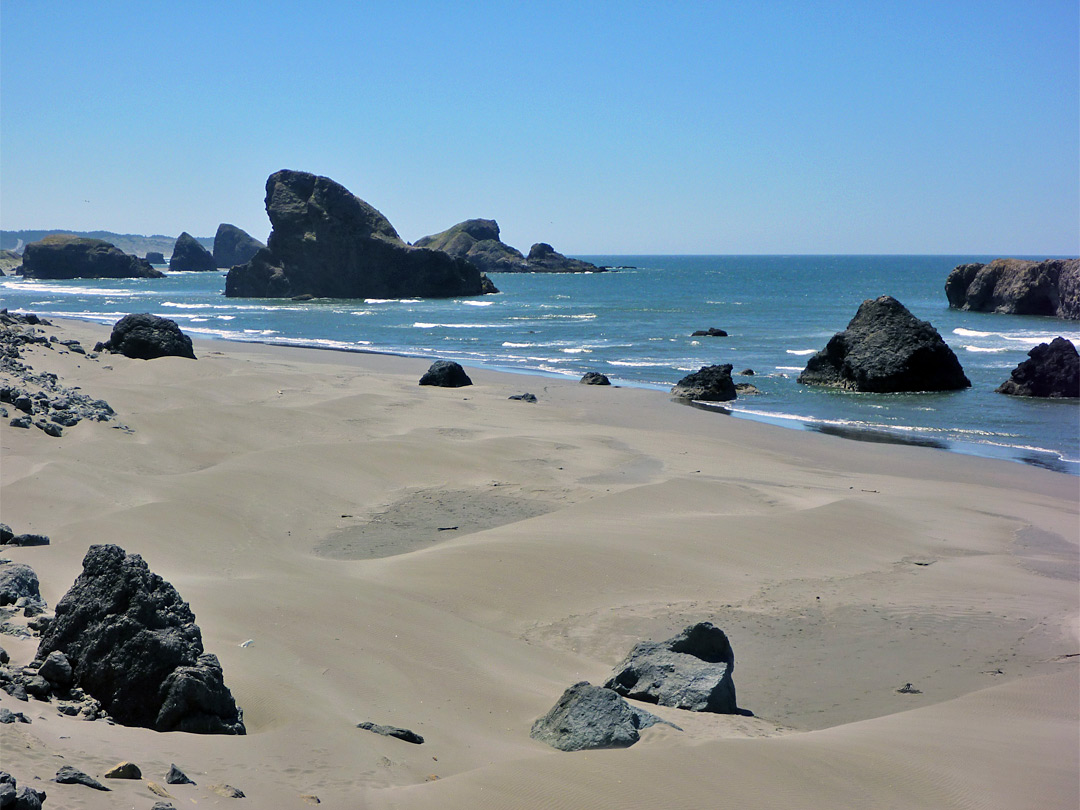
233,246
62,256
1052,370
189,255
707,384
712,331
144,337
588,716
886,349
1017,287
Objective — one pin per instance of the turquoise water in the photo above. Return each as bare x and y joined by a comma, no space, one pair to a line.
634,325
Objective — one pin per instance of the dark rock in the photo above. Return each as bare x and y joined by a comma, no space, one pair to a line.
49,428
477,241
21,422
7,717
5,534
29,540
233,246
1017,287
189,254
163,806
328,243
393,731
72,776
37,686
747,389
56,669
1052,370
18,580
595,378
144,336
886,349
523,397
155,258
175,776
24,404
28,798
747,372
4,657
707,384
446,374
589,716
16,689
63,256
543,258
690,671
487,286
134,646
712,331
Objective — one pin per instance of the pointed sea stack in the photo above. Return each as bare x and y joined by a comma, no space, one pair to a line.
189,255
233,246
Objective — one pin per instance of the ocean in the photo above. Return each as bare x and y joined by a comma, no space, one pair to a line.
634,324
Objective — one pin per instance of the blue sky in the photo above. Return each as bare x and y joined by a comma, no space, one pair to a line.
697,127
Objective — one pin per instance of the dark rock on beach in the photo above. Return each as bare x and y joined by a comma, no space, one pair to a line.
446,374
690,671
712,331
175,776
18,580
62,256
68,775
392,731
477,241
144,337
595,378
588,716
155,257
189,255
707,384
526,397
328,243
233,246
543,258
133,644
1017,287
1052,370
13,797
886,349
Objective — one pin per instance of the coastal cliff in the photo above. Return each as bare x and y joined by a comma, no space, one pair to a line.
1017,287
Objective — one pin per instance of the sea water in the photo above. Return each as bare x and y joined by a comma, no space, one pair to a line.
634,324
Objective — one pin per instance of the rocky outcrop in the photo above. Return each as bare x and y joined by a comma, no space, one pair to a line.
707,384
328,243
886,349
10,263
477,241
133,644
189,255
61,256
690,671
446,374
1017,287
144,337
233,246
1052,370
588,716
543,258
154,257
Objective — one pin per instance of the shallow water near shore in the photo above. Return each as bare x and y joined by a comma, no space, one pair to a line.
635,326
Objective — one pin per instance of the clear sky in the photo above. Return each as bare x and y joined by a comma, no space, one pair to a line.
600,127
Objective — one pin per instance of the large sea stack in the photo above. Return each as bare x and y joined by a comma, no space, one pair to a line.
328,243
233,246
1017,287
1052,370
63,256
886,349
477,240
189,255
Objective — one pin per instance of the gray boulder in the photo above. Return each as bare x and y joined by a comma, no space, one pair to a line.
886,349
18,580
407,735
446,374
133,644
328,243
189,255
62,256
144,337
1052,370
233,246
588,716
56,669
477,241
690,671
1017,287
707,384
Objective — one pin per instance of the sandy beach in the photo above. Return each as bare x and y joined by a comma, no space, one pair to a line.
449,561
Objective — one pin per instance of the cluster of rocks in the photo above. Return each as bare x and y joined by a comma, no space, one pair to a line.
39,398
190,256
13,797
1017,287
143,336
63,256
477,241
691,671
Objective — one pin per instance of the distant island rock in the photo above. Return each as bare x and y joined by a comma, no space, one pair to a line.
133,243
1017,287
1052,371
328,243
154,257
886,349
477,240
62,256
189,255
233,246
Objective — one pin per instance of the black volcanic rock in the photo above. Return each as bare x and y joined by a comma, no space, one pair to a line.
594,378
61,256
133,644
1052,370
328,243
712,331
189,254
233,246
543,258
708,384
144,336
1017,287
155,257
446,374
477,240
886,349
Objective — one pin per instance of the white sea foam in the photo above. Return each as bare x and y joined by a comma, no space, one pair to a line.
987,349
477,303
637,363
789,368
189,306
391,300
801,352
577,350
422,325
511,345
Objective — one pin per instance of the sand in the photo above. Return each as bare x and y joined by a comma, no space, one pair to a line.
449,561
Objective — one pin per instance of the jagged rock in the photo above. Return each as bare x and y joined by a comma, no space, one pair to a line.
1017,287
712,331
175,776
526,397
18,580
5,534
154,257
690,671
477,241
7,717
144,337
123,770
134,646
1052,370
707,384
27,798
228,791
588,716
61,256
886,349
4,657
68,775
393,731
330,244
189,255
56,669
233,246
446,374
594,378
543,258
